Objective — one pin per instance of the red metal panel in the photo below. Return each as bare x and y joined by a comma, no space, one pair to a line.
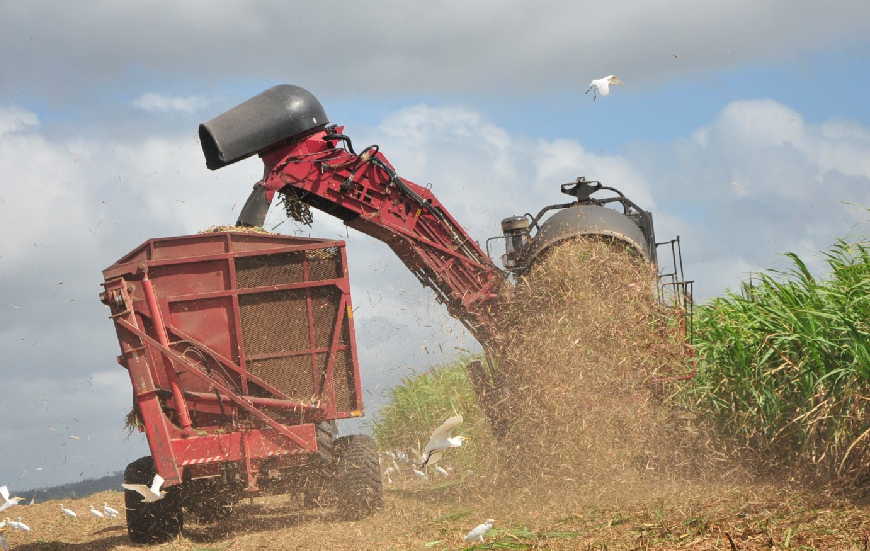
228,447
357,390
208,321
199,277
196,245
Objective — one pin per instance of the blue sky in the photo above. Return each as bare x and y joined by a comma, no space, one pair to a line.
746,144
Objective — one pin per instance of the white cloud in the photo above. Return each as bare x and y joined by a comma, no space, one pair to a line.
161,104
13,119
561,161
759,181
506,47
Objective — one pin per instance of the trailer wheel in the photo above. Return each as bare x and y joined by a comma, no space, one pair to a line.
210,500
358,477
318,477
150,522
326,432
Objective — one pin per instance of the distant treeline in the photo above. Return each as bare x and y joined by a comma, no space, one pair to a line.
74,490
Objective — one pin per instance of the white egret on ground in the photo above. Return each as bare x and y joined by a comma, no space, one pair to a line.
601,86
441,470
18,525
151,493
479,531
96,512
68,512
388,472
8,501
420,474
110,511
441,440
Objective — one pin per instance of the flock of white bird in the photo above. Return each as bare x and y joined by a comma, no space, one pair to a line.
440,441
19,524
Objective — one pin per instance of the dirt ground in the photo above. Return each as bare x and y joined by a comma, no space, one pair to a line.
436,514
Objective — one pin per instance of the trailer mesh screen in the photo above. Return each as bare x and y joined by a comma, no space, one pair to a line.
344,390
291,375
274,322
284,268
324,264
272,269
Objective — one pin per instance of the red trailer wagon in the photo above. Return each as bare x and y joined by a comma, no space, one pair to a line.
241,352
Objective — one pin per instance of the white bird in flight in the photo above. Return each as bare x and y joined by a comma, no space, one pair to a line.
149,494
8,501
96,512
601,86
441,440
479,531
68,512
110,511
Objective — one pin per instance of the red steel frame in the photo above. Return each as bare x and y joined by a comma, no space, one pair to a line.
168,386
359,190
365,192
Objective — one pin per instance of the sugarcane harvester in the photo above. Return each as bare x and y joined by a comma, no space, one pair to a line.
240,345
313,163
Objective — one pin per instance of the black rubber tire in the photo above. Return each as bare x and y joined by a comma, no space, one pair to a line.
358,477
318,489
150,522
326,432
210,500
